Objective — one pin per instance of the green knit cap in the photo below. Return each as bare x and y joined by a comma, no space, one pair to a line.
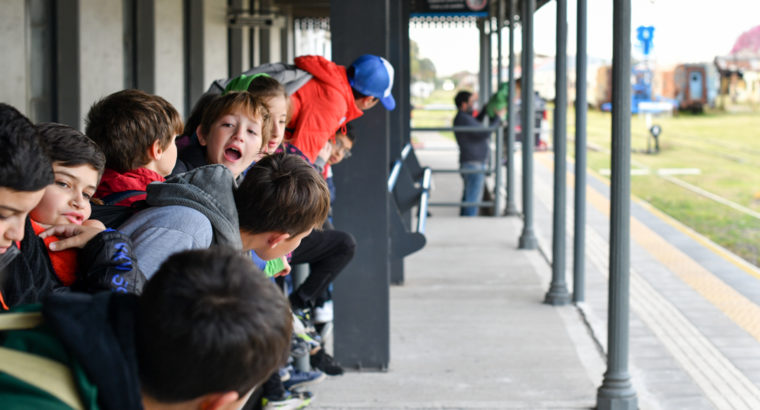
242,82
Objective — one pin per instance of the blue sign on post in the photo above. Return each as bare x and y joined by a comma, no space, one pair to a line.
645,35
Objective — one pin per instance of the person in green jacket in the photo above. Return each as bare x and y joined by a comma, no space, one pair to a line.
208,328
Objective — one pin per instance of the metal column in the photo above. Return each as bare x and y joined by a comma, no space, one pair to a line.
499,27
511,208
400,133
528,237
558,294
194,46
145,33
362,306
235,44
616,391
579,237
67,66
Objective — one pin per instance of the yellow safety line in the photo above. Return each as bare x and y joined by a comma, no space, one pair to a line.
730,257
725,254
733,304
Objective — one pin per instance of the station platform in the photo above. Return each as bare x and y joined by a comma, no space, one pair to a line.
469,329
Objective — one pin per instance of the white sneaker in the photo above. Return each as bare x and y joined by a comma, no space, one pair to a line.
324,313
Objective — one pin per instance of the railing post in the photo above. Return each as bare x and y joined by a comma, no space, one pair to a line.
511,208
616,391
528,237
497,170
579,237
484,64
300,272
558,294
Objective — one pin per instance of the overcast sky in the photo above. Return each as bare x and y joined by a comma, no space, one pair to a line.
685,31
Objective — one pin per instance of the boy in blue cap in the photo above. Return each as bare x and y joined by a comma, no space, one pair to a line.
334,96
324,96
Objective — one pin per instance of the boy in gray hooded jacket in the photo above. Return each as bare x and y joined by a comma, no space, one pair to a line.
278,203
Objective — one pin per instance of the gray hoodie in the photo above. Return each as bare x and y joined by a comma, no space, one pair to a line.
193,210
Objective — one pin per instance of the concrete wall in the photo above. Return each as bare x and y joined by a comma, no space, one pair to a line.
170,53
13,42
102,50
90,61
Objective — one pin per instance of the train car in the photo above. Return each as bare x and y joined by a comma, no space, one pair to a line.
690,86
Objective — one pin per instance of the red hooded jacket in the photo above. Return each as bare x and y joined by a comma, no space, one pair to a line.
135,180
321,106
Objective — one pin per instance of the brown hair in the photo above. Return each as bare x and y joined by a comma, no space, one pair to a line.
252,106
267,87
212,318
175,121
282,193
126,123
69,147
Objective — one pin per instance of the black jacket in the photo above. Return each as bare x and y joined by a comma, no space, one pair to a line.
105,263
99,332
191,155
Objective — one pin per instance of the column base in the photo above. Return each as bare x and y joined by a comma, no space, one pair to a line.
527,241
616,394
557,296
511,210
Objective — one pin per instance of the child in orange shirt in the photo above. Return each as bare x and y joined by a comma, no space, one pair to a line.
77,167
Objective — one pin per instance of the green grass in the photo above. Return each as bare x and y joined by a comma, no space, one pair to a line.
438,118
724,147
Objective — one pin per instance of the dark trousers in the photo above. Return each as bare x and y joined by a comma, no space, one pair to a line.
327,252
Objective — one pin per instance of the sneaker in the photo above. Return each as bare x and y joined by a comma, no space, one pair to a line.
326,363
324,313
306,315
290,400
299,378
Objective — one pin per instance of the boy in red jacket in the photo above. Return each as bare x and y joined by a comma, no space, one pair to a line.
136,132
334,96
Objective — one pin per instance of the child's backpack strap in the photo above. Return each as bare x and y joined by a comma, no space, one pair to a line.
45,374
21,320
112,215
117,197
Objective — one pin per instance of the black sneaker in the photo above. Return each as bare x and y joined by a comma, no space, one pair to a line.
326,363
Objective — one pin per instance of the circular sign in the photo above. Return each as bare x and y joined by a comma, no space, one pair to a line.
476,5
655,130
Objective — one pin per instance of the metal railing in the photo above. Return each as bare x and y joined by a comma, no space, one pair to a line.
424,186
495,167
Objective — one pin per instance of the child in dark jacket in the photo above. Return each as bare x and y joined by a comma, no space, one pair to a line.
207,330
77,167
25,173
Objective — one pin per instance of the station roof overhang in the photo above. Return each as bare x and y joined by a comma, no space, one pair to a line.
305,9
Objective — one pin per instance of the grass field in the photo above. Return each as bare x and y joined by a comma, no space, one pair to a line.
724,147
